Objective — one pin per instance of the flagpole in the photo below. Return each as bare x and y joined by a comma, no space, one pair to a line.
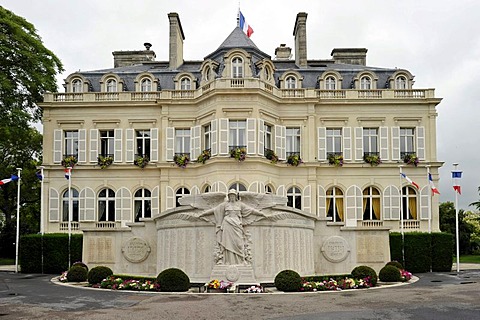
429,200
17,239
401,217
42,199
456,224
69,214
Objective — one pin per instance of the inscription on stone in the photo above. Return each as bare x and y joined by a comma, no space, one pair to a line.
335,249
136,250
370,249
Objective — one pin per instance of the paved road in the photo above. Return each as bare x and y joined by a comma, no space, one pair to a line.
435,296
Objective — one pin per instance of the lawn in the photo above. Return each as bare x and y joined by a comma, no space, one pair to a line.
469,259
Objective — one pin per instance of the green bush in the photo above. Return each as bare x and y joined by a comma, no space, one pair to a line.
396,247
362,272
97,274
442,246
389,273
173,280
288,281
418,250
395,264
77,274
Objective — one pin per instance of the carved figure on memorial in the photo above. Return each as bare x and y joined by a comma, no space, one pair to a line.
230,217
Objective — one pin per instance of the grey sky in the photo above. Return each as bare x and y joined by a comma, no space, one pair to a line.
436,40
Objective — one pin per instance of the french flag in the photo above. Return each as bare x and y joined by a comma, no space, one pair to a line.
409,180
432,186
5,181
244,25
68,173
456,176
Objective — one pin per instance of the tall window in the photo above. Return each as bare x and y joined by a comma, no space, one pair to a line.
180,193
182,141
292,136
111,85
294,198
268,189
401,82
237,133
143,204
330,83
185,84
77,86
335,204
370,141
146,85
371,204
106,205
237,68
74,205
290,82
71,143
365,83
334,141
267,137
237,186
207,136
409,203
107,143
407,139
143,143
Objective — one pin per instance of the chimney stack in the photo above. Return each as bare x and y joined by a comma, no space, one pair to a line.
130,58
176,41
300,34
283,52
350,56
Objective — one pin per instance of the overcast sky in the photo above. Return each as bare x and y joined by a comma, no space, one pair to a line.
436,40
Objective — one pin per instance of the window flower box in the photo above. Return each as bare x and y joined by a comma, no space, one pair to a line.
373,159
294,160
69,161
204,156
141,161
239,153
270,155
335,159
181,160
411,158
104,161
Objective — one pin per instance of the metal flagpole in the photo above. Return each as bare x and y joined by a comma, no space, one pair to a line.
456,224
70,214
401,217
42,218
17,239
429,200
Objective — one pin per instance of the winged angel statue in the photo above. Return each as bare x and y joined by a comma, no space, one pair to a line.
230,218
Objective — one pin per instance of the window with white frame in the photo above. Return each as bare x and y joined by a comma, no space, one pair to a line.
237,68
268,73
107,138
106,205
180,193
237,134
267,137
409,203
237,186
65,205
207,188
365,83
71,143
182,141
143,204
146,85
370,141
77,85
185,84
330,83
407,142
143,143
207,137
334,141
371,204
111,85
335,204
400,82
294,198
290,82
292,140
269,189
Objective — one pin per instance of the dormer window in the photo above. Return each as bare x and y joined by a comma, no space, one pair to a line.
237,68
401,82
365,83
330,83
77,86
185,84
146,85
111,85
290,82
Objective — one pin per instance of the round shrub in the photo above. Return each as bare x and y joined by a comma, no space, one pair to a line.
173,280
362,272
288,281
97,274
395,264
81,264
389,274
77,274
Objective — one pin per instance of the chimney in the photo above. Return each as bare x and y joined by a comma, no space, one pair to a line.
300,34
350,56
283,52
176,41
130,58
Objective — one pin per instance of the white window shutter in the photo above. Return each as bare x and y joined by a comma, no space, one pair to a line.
251,136
424,207
395,143
130,139
82,145
169,143
219,186
280,139
347,143
117,145
322,143
321,202
57,145
261,137
358,143
354,206
155,201
281,191
391,203
123,205
214,137
420,133
307,199
154,144
87,205
53,205
94,145
384,143
196,146
170,203
223,137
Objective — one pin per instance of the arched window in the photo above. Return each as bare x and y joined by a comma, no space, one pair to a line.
146,85
268,73
180,193
365,83
237,186
294,198
111,85
237,68
106,205
143,204
290,82
207,188
330,83
409,203
268,189
371,204
74,205
185,84
206,75
401,82
77,86
335,204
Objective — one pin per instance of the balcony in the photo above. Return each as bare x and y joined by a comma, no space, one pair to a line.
64,226
105,225
372,223
409,224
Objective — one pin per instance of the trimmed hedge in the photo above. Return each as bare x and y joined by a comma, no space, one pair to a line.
173,280
442,246
288,281
55,252
362,272
77,274
389,273
98,273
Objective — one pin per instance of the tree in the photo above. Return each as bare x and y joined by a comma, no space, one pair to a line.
27,71
476,203
447,224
